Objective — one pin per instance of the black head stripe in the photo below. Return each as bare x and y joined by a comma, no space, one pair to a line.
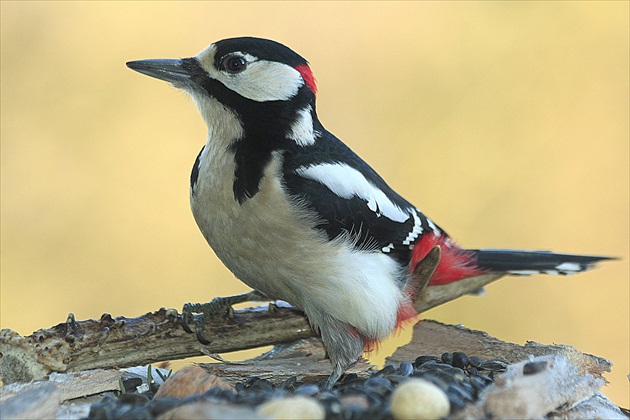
263,49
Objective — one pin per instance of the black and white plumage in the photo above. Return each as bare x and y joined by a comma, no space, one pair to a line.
297,215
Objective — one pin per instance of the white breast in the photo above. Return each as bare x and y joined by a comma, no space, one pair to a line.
272,247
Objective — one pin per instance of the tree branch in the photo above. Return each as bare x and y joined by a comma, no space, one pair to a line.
158,336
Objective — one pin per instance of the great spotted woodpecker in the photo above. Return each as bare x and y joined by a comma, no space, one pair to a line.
298,216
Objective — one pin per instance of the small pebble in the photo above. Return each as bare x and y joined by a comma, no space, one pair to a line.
355,402
298,408
190,380
419,399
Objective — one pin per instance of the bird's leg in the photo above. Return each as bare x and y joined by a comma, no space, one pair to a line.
338,370
215,306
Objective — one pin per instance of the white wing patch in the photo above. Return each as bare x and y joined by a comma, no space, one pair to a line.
417,229
433,227
347,183
302,129
388,248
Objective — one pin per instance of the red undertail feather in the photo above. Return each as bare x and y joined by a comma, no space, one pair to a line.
406,313
455,264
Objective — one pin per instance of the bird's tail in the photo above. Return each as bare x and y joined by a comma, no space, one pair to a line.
457,263
533,262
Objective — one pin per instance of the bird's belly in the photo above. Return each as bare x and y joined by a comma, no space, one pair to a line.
260,249
273,248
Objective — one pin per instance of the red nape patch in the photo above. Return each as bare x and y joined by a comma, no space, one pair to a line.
455,264
308,77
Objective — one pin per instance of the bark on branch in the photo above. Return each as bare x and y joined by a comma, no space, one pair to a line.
158,336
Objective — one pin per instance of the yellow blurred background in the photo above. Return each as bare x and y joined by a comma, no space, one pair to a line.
506,122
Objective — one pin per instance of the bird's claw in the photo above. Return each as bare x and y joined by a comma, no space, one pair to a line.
199,332
187,317
207,310
218,305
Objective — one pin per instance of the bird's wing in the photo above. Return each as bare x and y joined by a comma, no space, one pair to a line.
350,198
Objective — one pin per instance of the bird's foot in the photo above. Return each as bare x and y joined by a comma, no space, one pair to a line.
217,306
332,379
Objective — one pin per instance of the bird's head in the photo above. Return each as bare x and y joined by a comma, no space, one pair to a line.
252,77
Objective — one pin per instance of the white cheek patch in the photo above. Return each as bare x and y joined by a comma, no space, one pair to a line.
302,129
347,183
264,81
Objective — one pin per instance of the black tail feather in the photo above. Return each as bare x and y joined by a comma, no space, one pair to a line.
533,262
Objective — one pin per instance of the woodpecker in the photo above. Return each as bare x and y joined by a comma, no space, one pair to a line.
295,214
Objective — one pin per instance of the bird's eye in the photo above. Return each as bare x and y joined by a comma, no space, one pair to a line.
234,64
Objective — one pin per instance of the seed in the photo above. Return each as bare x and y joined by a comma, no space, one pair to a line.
424,359
459,392
405,368
460,360
379,385
495,365
474,361
534,367
307,389
387,370
447,358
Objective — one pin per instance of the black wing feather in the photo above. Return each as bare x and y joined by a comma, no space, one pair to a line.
341,216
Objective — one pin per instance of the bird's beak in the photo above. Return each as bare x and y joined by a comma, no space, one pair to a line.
173,71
